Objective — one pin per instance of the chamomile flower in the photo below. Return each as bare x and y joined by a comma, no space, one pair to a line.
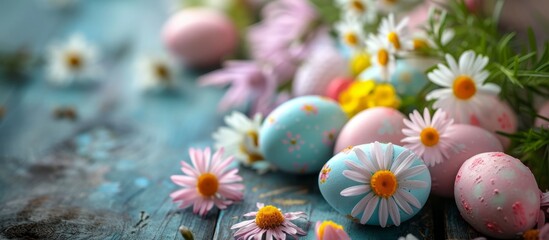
73,61
328,230
382,54
156,73
396,34
364,10
351,33
241,139
429,138
464,94
269,221
208,182
383,182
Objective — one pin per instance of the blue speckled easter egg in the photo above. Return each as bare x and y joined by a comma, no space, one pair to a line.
407,80
299,135
376,181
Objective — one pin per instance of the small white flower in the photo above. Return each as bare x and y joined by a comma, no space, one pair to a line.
383,183
396,34
363,10
429,138
464,93
383,55
74,61
351,32
241,139
154,73
408,237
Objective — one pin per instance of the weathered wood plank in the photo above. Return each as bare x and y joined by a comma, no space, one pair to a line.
454,224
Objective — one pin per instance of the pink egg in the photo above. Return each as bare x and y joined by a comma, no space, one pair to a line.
200,37
543,111
337,86
380,124
500,118
469,141
497,195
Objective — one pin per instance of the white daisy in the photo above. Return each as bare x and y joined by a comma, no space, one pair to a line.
241,139
155,73
464,93
383,182
351,32
364,10
383,55
74,61
396,34
429,138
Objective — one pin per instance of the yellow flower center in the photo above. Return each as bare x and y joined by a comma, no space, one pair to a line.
325,224
74,60
384,183
532,234
429,136
269,217
464,87
207,184
383,57
252,156
162,72
358,6
393,38
351,39
420,44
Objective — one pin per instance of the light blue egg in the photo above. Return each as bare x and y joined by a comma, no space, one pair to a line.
407,79
332,182
299,135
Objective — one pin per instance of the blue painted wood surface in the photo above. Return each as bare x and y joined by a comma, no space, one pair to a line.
106,174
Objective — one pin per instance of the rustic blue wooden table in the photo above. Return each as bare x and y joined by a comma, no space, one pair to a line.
106,174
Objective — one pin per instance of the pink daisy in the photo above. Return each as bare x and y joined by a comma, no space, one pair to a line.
384,182
429,138
269,221
328,230
208,182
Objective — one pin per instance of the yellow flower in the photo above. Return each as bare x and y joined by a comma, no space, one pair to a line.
355,98
384,95
359,62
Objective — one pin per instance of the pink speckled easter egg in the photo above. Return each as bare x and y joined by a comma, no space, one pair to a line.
468,141
200,37
543,111
380,124
497,195
500,117
315,74
337,86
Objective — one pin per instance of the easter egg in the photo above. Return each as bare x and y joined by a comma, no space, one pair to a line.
364,182
407,80
318,70
543,111
298,136
467,141
200,37
497,195
337,86
380,124
498,118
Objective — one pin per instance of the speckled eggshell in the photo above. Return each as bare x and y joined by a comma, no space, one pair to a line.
299,135
200,37
469,141
332,182
500,117
407,79
380,124
497,195
543,111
